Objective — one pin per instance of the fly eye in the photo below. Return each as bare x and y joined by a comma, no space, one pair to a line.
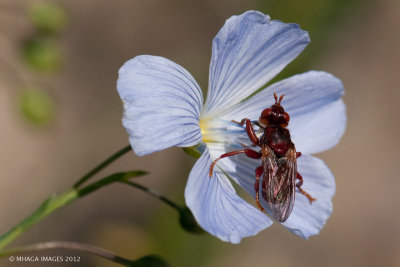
286,117
266,113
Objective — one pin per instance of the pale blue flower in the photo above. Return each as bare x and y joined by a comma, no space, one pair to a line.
163,107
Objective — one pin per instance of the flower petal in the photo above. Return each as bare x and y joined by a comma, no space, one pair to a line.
313,101
162,103
308,219
217,207
247,52
320,130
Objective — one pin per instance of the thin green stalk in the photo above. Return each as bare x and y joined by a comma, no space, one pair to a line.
116,177
154,194
56,202
186,218
102,165
48,206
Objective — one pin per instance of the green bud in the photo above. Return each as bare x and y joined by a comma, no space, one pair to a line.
48,17
36,106
195,151
42,54
188,222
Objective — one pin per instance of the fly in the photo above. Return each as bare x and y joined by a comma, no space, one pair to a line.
279,161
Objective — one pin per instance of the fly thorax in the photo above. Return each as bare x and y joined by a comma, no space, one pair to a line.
278,139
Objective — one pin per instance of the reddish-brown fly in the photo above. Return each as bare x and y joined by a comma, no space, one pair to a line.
279,165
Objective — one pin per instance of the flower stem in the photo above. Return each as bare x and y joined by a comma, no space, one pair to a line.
68,245
102,165
56,202
48,206
154,194
186,218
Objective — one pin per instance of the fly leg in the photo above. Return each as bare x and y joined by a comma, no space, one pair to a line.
299,184
250,131
241,123
259,172
250,153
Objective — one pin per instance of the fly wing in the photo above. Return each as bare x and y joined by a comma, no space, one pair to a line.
279,184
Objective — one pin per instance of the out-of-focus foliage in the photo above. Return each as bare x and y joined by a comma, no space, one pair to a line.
36,106
48,17
42,54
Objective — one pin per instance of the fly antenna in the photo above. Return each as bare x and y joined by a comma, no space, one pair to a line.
280,99
276,98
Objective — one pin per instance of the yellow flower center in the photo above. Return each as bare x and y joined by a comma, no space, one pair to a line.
205,132
213,130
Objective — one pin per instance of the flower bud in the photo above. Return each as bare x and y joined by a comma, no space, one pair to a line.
188,222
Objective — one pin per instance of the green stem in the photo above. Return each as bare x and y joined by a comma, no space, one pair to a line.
116,177
186,218
154,194
48,206
56,202
102,165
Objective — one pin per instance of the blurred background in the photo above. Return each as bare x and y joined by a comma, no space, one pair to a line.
60,115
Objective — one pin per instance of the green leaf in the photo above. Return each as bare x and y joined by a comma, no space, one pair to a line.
48,17
116,177
36,106
42,54
149,261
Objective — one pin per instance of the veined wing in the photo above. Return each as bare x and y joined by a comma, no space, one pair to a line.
279,183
